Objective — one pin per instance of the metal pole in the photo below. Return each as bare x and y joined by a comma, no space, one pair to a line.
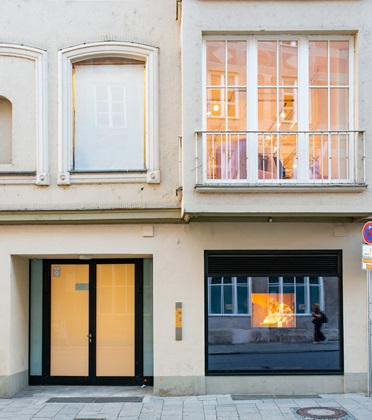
369,332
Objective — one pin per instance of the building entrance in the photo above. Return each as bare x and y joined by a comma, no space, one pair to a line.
92,322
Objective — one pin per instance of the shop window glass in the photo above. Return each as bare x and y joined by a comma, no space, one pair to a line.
276,334
228,295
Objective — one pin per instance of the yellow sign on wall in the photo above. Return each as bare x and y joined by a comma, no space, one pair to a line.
178,320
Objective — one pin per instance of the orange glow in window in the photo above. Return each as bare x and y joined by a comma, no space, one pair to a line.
269,312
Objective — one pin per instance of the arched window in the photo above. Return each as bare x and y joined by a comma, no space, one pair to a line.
108,113
5,131
23,115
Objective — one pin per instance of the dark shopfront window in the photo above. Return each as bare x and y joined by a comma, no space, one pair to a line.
258,312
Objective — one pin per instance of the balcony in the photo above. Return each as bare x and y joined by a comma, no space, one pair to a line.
279,161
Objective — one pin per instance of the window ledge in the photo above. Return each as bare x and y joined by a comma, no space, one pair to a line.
281,188
150,177
24,178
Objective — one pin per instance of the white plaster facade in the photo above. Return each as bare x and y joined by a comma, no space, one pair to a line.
43,217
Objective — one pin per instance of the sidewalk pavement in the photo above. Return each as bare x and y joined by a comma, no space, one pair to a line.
134,403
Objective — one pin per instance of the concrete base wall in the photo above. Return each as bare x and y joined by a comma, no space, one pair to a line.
356,382
179,385
10,385
281,385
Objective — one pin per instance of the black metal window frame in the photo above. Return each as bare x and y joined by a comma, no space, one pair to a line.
272,263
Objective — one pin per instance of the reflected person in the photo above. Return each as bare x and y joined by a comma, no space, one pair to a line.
317,321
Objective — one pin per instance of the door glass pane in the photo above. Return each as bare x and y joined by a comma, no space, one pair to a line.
115,320
69,320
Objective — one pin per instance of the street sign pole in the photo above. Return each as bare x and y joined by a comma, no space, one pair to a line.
369,332
367,265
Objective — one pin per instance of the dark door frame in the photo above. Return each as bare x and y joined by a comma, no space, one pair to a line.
92,379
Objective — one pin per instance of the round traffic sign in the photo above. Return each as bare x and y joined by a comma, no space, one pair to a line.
367,233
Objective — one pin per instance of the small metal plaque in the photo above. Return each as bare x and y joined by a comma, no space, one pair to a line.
81,286
56,271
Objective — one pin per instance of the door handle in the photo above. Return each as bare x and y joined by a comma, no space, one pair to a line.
90,337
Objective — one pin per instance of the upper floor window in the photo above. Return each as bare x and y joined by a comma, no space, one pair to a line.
278,109
23,115
109,114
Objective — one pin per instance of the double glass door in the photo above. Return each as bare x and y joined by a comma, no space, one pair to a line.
93,328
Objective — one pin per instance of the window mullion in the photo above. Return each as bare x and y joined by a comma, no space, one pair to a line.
222,296
329,110
234,285
209,295
321,291
252,108
280,290
307,294
303,110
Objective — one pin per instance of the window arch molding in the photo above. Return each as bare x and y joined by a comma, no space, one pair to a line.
41,68
68,57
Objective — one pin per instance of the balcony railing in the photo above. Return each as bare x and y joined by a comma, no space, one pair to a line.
280,158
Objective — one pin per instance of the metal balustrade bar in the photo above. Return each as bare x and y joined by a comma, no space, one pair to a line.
280,157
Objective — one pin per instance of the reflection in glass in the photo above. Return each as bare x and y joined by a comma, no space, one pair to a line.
318,109
267,109
339,107
318,63
288,63
339,63
237,62
226,85
339,151
228,295
287,109
277,333
267,63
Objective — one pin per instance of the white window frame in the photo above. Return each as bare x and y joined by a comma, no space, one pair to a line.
303,91
39,57
307,287
67,57
234,286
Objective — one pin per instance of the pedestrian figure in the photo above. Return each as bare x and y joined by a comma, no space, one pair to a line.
318,319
